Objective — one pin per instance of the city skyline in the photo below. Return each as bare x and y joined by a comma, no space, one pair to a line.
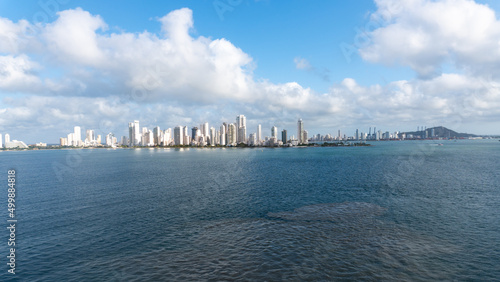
348,66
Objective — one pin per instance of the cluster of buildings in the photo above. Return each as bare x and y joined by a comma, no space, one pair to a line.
11,144
227,134
74,138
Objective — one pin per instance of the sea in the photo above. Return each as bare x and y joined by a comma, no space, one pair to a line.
393,211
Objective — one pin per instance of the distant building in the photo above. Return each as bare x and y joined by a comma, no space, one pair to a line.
179,135
15,144
167,137
300,131
212,137
78,135
231,134
283,136
1,141
241,129
274,132
222,135
63,141
134,135
7,138
259,134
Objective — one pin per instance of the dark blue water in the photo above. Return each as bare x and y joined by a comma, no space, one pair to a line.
393,211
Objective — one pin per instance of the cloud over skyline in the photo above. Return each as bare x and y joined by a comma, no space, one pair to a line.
76,70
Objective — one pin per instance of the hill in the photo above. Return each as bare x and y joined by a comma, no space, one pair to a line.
438,132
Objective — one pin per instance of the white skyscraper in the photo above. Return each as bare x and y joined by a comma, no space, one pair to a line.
7,137
157,136
212,136
300,131
187,139
71,139
90,136
241,129
231,134
110,140
78,135
134,135
167,137
259,133
179,135
223,135
274,132
204,130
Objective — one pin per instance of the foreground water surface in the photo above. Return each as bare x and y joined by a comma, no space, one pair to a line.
393,211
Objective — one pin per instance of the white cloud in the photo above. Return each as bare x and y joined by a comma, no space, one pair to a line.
426,34
17,73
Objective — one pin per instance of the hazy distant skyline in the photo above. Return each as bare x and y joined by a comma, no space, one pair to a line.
337,65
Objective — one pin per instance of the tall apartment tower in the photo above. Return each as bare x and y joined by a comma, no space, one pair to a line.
231,134
222,135
134,134
283,136
300,131
274,132
259,133
241,129
78,134
179,135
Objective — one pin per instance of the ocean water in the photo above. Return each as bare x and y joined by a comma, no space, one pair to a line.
393,211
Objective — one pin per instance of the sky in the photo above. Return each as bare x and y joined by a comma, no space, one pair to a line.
338,65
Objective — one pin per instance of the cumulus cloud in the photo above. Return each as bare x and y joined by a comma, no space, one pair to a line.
425,34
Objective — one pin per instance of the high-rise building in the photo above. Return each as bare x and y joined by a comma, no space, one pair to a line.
63,141
1,141
300,131
194,133
205,131
78,135
109,139
242,135
259,134
212,136
187,139
223,135
179,135
134,135
241,129
167,137
357,135
90,136
7,137
231,134
283,136
157,136
304,137
71,139
251,139
274,132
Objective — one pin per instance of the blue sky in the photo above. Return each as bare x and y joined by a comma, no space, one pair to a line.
408,64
